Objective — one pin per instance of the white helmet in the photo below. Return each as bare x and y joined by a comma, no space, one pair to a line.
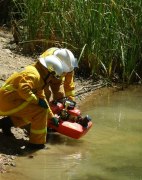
67,58
53,64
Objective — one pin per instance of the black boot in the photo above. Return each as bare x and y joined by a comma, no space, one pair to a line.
5,125
35,146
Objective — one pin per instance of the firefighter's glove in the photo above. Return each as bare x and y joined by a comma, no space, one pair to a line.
42,103
55,121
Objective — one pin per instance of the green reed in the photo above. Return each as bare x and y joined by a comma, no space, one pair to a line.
105,34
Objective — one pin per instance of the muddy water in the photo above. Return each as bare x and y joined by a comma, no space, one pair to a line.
112,149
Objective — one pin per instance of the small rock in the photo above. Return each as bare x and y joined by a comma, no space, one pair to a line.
31,156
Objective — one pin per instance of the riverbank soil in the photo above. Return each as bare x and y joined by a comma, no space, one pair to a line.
11,61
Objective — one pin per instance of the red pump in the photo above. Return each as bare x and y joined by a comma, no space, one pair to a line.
71,123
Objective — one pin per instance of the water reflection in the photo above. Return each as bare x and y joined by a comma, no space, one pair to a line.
110,151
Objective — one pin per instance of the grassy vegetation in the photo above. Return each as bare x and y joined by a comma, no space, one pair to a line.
105,35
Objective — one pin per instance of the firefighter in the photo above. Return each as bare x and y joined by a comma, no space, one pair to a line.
22,100
65,86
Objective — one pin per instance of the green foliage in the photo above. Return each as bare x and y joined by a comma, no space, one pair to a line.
105,34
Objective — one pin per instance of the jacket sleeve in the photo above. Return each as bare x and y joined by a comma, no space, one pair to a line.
27,88
57,87
69,85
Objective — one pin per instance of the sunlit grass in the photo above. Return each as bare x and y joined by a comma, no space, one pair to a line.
105,35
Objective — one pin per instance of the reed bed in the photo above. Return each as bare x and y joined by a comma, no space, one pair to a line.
105,35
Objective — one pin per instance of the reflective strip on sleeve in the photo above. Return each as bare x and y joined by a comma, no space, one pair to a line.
26,121
70,93
8,87
20,107
32,97
12,111
41,131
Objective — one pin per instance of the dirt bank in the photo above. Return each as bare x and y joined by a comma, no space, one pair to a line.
10,61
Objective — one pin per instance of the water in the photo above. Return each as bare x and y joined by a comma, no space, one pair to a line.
112,149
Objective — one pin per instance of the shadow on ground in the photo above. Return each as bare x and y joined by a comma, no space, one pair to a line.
11,145
14,146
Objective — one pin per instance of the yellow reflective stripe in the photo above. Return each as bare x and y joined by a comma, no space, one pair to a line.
20,107
32,97
70,93
8,87
26,120
63,78
12,111
41,131
11,88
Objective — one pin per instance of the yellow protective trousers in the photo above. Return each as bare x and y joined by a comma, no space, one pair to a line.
37,117
23,112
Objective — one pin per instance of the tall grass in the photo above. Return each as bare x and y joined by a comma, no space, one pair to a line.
106,35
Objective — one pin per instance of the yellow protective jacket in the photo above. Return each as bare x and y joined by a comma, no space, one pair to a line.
64,87
19,99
